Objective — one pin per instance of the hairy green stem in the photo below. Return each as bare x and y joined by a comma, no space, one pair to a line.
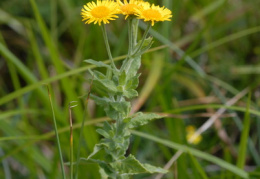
132,37
104,32
143,39
135,23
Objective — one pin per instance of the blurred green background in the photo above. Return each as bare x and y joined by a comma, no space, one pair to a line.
208,54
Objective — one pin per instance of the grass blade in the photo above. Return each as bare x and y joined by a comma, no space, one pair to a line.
199,169
195,152
57,136
244,136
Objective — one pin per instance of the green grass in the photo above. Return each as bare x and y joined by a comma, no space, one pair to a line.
210,50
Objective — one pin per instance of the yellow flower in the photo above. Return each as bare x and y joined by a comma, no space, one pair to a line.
190,132
129,8
100,12
153,13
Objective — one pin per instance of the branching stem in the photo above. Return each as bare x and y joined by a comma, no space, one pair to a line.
143,39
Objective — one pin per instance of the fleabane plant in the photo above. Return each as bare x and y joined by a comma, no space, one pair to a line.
118,85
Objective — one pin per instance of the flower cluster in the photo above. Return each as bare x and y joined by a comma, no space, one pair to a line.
102,11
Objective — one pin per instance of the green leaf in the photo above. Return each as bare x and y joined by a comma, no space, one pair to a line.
98,75
105,85
122,78
105,171
113,114
113,109
131,166
100,101
122,107
142,119
146,45
133,82
97,63
133,66
131,93
107,126
127,86
123,131
97,148
103,133
101,83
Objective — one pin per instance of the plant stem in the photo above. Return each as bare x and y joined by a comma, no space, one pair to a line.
57,136
130,36
104,32
143,39
71,140
135,23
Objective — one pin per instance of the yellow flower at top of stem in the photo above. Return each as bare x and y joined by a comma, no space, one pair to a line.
100,12
153,13
103,11
129,8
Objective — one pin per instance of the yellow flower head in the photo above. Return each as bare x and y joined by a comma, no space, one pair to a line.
100,12
153,13
190,132
129,8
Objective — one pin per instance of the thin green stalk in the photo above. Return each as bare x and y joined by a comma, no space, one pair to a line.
57,136
135,23
71,139
144,37
130,37
132,34
71,153
104,32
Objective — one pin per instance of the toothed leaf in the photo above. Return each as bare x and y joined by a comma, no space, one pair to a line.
131,166
141,119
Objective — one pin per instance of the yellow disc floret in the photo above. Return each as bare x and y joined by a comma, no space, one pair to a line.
153,13
129,8
100,12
